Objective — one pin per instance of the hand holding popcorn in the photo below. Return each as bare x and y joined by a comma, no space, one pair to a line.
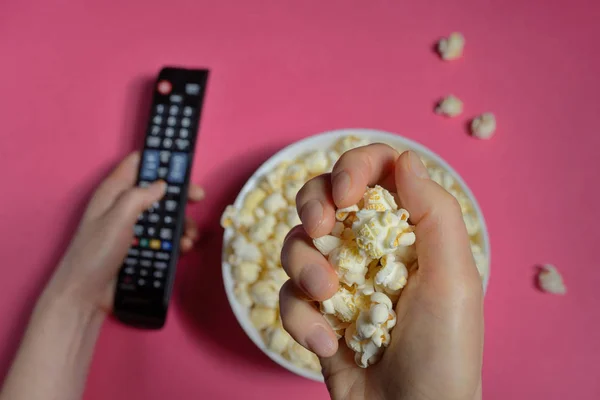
436,328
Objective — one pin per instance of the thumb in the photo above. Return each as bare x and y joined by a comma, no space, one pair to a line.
136,200
443,246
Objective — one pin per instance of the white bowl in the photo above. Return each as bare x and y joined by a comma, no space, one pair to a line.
325,140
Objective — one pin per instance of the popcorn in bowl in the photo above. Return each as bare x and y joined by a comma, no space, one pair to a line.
371,246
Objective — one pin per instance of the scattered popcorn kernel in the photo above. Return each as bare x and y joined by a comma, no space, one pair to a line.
342,213
326,244
551,281
450,106
484,126
379,199
451,48
262,317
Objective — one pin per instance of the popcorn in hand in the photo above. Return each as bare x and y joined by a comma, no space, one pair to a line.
551,281
380,233
449,106
379,199
342,213
392,277
350,263
484,126
341,305
451,48
326,244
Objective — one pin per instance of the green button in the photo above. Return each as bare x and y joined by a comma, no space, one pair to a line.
143,242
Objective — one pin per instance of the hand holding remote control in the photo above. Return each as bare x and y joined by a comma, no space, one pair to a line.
89,269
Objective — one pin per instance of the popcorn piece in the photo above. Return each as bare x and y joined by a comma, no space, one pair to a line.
484,126
379,199
278,276
229,217
244,251
295,172
274,179
332,156
300,356
289,216
253,199
472,223
441,177
259,212
449,106
274,202
380,233
551,281
265,293
316,162
291,189
350,263
277,339
342,213
280,232
338,229
481,260
246,272
271,250
326,244
262,229
349,142
393,276
341,305
336,324
451,48
242,294
263,317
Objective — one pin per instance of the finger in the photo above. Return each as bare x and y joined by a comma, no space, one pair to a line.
134,201
120,179
315,206
186,244
305,324
191,229
196,193
358,168
443,245
307,268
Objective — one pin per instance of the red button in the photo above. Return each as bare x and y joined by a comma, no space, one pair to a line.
164,87
135,242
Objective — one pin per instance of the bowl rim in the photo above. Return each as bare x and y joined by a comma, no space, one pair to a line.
298,147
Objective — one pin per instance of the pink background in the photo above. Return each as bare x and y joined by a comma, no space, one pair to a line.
74,94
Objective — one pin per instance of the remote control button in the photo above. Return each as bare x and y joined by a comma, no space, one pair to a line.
143,243
177,168
167,143
166,233
165,156
169,132
164,87
175,98
154,218
173,110
166,245
131,261
188,111
157,284
150,163
155,244
160,108
173,189
160,264
171,205
156,205
158,274
183,133
144,272
171,121
182,144
133,252
151,232
141,282
155,130
162,172
162,256
141,217
157,119
153,141
168,220
185,122
146,263
129,271
135,241
147,253
138,230
192,89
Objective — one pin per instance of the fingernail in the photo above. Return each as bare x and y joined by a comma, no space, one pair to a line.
340,186
199,192
320,342
416,166
314,280
311,214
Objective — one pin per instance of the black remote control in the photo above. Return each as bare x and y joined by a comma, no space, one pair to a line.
146,277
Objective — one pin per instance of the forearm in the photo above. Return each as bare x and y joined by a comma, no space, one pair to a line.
53,359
